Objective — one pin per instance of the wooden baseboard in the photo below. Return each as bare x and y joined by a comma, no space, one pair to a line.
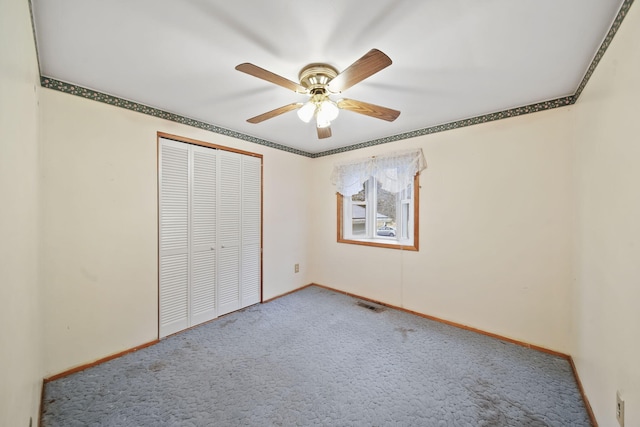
592,416
288,293
41,406
97,362
450,323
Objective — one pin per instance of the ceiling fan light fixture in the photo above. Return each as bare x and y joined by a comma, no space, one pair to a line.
328,110
307,111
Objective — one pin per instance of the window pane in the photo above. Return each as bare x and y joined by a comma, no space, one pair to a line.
386,212
405,221
358,219
359,213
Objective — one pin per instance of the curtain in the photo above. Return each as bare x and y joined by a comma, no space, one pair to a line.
394,171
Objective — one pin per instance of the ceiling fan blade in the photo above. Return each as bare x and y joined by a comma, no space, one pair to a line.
261,73
367,109
324,132
273,113
372,62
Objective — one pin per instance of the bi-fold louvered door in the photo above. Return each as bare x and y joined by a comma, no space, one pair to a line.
250,237
203,235
209,233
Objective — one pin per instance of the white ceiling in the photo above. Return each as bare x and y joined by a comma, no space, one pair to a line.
452,59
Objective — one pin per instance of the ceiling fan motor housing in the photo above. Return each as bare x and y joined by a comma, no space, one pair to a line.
315,77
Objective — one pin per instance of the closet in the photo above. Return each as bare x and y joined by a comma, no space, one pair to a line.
209,208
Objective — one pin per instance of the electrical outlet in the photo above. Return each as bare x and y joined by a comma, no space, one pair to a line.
296,268
619,409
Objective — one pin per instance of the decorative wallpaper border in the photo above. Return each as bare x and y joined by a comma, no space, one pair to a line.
622,13
51,83
533,108
72,89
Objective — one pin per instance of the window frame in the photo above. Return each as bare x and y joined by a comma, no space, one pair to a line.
380,242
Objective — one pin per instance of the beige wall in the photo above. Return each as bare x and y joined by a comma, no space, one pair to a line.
495,231
606,345
100,225
21,334
529,227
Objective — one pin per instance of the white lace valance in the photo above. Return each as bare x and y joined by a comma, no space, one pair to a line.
394,171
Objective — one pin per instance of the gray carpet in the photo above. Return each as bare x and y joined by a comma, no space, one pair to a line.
315,358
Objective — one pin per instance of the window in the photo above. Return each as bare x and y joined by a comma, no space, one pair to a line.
378,200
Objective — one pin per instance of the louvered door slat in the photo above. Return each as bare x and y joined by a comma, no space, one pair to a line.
250,287
204,196
251,192
174,186
229,280
229,220
251,239
229,199
173,237
203,235
203,287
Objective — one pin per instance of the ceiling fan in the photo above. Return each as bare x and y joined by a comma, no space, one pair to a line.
320,81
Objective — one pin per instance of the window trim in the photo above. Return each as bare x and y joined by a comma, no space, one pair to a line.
380,244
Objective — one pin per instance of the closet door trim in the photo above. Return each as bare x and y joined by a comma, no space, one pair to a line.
206,144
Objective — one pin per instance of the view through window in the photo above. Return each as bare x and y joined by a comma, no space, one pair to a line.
379,217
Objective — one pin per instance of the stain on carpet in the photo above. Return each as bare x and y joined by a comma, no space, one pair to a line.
228,322
495,409
157,366
404,332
